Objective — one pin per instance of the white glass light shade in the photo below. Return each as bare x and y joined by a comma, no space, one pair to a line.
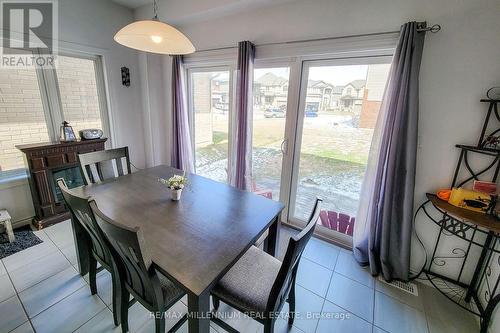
154,36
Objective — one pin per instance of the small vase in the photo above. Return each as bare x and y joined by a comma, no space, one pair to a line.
176,194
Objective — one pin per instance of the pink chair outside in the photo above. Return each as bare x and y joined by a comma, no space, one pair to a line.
340,222
265,193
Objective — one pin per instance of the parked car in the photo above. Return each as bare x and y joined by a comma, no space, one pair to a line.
311,114
311,110
274,113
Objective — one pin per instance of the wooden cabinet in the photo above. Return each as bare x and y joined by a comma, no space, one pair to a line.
46,162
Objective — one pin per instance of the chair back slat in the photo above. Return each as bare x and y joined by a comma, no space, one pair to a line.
119,166
288,271
344,222
334,220
106,170
98,166
80,210
129,250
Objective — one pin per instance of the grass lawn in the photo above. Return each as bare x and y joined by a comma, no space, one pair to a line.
333,159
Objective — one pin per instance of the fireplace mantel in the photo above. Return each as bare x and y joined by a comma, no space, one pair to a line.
44,161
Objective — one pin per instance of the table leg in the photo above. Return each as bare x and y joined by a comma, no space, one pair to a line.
82,246
271,243
199,313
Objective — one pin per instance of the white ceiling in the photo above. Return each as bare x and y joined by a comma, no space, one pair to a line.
180,12
133,3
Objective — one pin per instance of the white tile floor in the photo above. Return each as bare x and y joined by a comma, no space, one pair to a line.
41,290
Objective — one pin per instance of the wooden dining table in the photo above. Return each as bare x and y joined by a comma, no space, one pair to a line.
194,241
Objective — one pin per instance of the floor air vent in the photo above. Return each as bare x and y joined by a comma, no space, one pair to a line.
409,287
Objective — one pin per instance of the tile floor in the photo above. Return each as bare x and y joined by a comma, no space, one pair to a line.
41,290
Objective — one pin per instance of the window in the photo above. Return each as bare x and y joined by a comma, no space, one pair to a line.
209,104
22,119
78,90
34,102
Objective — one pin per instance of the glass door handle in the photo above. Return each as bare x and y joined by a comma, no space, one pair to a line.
284,146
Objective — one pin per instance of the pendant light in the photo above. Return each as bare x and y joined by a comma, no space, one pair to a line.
154,36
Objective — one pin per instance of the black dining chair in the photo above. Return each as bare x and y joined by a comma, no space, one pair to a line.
105,164
99,251
260,284
137,274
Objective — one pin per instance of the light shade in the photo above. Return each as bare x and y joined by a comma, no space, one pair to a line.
154,36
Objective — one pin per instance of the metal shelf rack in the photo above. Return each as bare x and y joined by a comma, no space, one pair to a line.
478,232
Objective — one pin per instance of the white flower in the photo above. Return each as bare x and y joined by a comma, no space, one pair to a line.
175,182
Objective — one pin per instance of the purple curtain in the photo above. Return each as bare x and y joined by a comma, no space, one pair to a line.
382,233
182,154
242,166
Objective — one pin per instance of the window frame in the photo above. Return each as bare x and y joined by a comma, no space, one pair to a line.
51,101
100,87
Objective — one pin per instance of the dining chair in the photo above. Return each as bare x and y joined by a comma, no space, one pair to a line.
105,164
137,274
260,284
99,251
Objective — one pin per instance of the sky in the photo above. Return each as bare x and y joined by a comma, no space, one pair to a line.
336,75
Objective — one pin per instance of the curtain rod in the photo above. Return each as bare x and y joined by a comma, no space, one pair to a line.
434,28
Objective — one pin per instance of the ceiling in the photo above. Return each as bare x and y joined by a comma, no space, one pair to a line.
178,12
183,11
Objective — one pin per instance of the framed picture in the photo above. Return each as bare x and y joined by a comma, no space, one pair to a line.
67,133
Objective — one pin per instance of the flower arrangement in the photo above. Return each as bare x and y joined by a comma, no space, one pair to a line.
175,183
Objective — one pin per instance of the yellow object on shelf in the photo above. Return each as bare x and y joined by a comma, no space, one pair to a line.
472,200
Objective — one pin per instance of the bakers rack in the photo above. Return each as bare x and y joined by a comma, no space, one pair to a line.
476,235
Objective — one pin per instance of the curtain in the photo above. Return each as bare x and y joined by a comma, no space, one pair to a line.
182,152
383,228
241,175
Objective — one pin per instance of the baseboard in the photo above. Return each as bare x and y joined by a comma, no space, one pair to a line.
22,222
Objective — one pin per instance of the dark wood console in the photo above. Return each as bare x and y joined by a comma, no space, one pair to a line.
46,162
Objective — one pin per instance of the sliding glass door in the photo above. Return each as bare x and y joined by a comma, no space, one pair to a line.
338,111
312,128
270,98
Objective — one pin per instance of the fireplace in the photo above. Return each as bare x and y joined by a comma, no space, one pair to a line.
46,162
72,176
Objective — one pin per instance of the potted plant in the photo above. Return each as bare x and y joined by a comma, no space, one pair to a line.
175,183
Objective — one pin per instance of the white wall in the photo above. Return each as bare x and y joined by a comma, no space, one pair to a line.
93,23
85,26
459,63
16,198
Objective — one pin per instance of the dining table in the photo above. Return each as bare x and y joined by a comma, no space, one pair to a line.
193,241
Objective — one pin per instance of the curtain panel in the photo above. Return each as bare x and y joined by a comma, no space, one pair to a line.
384,223
241,173
182,151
